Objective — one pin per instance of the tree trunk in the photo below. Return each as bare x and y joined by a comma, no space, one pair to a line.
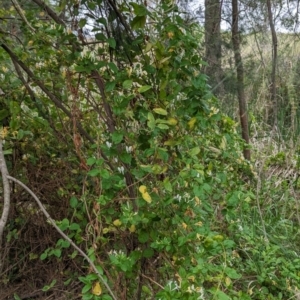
274,63
213,44
240,77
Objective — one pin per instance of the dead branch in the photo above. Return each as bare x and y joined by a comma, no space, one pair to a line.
6,200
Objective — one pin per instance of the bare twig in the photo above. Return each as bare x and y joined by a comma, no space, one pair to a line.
49,11
6,200
153,281
21,14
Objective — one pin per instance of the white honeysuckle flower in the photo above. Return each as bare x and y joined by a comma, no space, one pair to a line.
178,197
121,169
128,149
108,144
136,84
84,51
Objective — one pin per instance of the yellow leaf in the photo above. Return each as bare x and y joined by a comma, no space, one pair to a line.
218,238
227,281
160,111
146,197
199,223
132,228
223,143
170,34
165,59
197,200
97,289
129,71
105,230
117,223
192,122
172,121
142,189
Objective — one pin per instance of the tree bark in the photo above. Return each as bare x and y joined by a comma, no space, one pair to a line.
274,63
240,77
213,52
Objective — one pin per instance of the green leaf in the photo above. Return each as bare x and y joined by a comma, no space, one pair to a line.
144,88
125,157
44,256
86,288
94,172
127,84
65,244
139,10
52,284
64,224
117,137
147,253
74,226
20,134
172,142
112,42
3,114
91,277
100,37
91,5
16,297
102,21
143,237
56,252
151,121
46,288
88,296
73,202
160,111
167,185
138,22
163,126
104,174
219,295
110,86
99,269
232,273
90,161
74,254
163,154
113,67
194,151
82,23
8,151
67,282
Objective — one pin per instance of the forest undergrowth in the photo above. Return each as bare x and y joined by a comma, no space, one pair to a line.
141,166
